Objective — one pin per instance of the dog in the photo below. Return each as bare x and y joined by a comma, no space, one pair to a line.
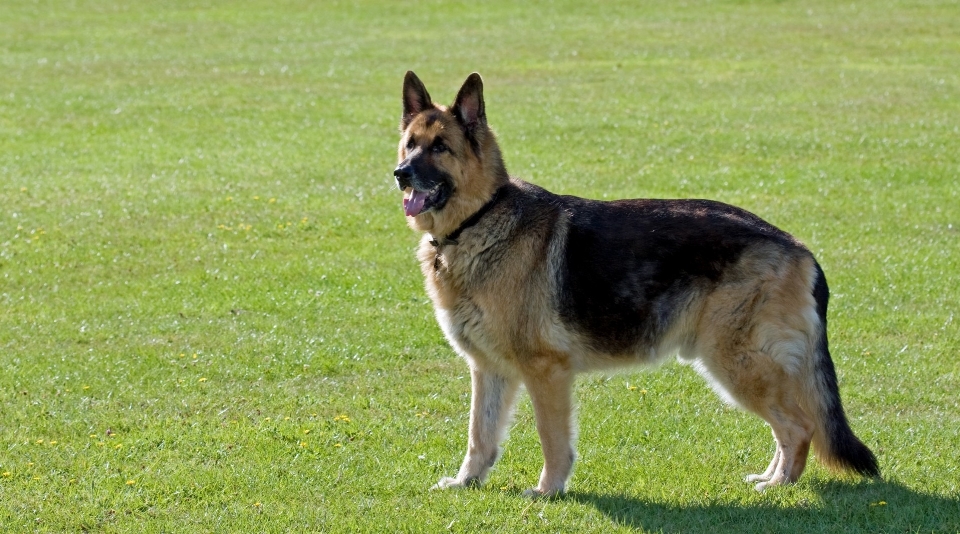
531,288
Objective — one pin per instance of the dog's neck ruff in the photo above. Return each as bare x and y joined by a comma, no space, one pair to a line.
452,237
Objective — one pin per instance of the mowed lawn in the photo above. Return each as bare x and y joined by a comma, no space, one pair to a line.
211,318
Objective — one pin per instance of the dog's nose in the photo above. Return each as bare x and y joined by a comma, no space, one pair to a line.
403,174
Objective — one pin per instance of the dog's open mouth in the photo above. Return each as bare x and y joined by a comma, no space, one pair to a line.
416,202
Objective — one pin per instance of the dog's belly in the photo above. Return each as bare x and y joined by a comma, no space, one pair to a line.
487,339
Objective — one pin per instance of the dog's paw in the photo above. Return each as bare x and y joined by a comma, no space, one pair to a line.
451,482
537,493
775,481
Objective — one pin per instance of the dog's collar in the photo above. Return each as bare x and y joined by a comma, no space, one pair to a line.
451,238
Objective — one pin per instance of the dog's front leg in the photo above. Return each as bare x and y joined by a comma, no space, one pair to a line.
490,409
551,391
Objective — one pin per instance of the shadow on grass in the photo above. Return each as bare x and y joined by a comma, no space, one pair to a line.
873,506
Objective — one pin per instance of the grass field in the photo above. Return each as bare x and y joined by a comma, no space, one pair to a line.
211,318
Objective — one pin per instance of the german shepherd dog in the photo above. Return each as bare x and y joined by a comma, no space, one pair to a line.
531,287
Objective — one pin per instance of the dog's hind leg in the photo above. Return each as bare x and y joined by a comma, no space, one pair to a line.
792,433
756,382
490,409
550,386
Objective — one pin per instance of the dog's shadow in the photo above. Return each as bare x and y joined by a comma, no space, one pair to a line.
873,506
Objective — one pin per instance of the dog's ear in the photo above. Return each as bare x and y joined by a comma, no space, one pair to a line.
415,99
468,107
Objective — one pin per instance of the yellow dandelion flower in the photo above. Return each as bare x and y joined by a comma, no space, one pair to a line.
256,197
203,379
307,431
338,444
272,201
131,482
53,443
86,388
118,446
7,474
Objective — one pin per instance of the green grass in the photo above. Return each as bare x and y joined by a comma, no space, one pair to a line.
204,264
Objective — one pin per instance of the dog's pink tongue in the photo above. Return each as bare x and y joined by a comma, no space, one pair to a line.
413,205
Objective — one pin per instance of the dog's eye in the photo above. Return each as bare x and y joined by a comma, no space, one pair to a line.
438,147
410,143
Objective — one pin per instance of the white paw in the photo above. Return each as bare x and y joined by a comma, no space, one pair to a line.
537,493
775,481
450,482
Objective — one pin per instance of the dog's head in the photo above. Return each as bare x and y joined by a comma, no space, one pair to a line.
450,163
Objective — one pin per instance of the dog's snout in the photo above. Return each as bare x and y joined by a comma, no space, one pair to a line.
403,175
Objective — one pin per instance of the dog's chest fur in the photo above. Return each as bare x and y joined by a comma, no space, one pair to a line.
483,287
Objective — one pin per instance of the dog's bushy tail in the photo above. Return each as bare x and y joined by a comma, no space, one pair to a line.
836,445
